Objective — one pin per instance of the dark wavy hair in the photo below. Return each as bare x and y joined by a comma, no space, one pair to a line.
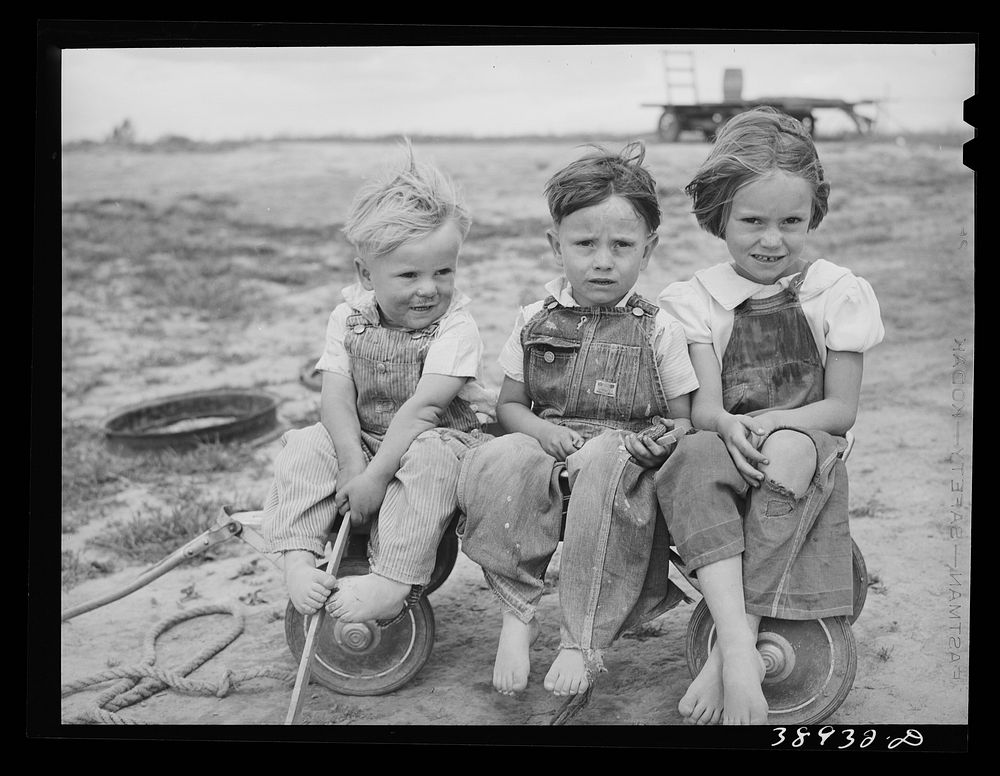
595,177
749,146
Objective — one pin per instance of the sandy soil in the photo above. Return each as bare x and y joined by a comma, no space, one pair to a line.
901,216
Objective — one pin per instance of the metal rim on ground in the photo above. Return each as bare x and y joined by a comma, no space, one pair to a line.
227,415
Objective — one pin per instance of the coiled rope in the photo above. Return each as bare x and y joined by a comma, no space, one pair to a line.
145,679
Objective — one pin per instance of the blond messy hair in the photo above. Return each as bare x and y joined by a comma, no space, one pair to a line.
401,204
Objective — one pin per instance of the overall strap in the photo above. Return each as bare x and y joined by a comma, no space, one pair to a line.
797,282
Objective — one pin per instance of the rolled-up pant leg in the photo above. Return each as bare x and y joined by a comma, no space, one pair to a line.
299,508
509,495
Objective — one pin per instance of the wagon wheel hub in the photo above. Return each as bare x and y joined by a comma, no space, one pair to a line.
778,656
357,637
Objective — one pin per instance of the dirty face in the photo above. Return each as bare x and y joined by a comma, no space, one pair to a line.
601,250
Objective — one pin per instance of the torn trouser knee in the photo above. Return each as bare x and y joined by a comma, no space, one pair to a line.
797,558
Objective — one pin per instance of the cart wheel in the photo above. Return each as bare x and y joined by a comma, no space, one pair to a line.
670,127
810,663
860,579
360,658
447,554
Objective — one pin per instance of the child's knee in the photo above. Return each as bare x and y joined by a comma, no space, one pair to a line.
791,459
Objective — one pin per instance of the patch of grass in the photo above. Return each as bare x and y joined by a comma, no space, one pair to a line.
76,569
648,630
876,584
221,297
157,530
884,653
89,470
208,458
92,475
869,509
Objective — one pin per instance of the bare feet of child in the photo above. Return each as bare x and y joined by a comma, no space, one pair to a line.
742,672
727,691
513,663
367,597
568,673
702,703
308,586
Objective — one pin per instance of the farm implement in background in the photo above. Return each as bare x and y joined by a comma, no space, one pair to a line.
692,115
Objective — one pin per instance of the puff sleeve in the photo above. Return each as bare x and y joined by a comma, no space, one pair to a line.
852,319
690,306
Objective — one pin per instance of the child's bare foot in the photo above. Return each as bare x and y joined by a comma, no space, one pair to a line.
568,673
742,672
513,663
367,597
702,704
308,586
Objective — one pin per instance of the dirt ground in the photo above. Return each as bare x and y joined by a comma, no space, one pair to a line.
901,216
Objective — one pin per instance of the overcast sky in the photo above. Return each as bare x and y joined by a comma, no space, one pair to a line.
234,93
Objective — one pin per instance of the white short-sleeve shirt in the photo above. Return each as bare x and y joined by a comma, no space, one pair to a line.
840,307
669,344
456,350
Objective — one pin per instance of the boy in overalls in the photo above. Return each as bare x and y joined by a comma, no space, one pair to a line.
587,371
399,404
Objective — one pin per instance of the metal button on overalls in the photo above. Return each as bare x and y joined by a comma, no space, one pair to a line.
549,356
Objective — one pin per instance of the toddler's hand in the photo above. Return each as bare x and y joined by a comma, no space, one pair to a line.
345,474
308,586
560,442
364,496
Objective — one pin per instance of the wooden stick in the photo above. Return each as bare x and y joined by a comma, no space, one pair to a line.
309,649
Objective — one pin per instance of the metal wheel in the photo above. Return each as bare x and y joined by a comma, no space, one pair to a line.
362,658
810,664
670,127
183,421
860,579
447,554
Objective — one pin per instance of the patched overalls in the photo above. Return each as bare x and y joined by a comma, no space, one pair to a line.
386,365
796,552
594,370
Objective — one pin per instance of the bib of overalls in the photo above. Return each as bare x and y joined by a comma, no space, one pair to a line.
386,365
593,367
771,361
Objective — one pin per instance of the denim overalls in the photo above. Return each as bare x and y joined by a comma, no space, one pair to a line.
594,370
796,552
419,504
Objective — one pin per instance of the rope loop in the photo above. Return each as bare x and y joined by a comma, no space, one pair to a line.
144,679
